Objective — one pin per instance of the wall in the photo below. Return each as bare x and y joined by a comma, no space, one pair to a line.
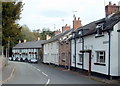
51,53
115,51
72,52
96,44
119,51
64,48
78,48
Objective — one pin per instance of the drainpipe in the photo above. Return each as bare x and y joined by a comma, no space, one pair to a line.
82,53
75,54
70,56
109,34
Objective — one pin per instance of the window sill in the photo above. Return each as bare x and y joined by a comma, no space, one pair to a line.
99,36
102,64
63,60
79,63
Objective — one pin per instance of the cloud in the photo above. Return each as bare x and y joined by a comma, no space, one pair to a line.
46,13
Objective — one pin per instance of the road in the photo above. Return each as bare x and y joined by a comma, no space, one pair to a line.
26,73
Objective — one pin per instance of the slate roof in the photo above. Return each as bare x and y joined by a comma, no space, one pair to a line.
91,27
32,44
55,38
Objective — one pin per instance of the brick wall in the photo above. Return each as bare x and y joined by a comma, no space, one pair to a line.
111,8
64,53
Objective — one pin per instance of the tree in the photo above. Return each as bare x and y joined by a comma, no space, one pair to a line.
26,34
11,12
46,31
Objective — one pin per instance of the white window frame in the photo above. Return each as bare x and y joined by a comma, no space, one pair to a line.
99,56
80,58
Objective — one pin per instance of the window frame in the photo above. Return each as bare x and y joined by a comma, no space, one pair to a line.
80,57
99,56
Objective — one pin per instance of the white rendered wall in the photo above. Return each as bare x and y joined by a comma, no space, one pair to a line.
78,49
96,44
115,51
72,52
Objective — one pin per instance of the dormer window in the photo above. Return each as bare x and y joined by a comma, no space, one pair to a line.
99,29
80,33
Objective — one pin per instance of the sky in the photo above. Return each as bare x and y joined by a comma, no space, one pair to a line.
53,14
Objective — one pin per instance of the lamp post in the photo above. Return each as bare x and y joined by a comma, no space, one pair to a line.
8,46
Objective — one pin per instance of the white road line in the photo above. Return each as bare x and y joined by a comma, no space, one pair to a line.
44,74
48,81
38,69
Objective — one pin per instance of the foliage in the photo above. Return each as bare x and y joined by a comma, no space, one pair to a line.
26,34
10,29
46,31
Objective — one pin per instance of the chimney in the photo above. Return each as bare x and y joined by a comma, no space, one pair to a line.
57,32
48,37
38,38
110,3
25,40
65,28
19,41
76,23
109,9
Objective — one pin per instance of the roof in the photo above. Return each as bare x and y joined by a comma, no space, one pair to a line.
108,24
55,38
32,44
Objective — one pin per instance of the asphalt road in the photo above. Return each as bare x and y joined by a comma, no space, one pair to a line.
26,73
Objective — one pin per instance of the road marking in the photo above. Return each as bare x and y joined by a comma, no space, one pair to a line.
48,81
44,74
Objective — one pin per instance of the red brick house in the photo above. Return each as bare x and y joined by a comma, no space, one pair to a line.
64,44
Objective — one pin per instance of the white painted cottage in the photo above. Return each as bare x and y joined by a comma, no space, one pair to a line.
95,47
51,49
31,49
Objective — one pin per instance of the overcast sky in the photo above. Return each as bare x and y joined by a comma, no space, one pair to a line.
38,14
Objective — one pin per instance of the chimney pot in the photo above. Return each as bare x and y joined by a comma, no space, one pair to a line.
110,3
19,41
114,4
74,18
25,41
38,38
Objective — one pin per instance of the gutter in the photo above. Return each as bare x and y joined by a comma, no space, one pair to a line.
82,53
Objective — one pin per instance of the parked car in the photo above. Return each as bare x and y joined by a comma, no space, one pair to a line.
16,59
10,58
13,58
28,59
33,60
19,59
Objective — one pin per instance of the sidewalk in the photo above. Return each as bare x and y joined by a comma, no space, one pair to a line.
7,71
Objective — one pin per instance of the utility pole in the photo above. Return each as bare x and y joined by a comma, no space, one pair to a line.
8,46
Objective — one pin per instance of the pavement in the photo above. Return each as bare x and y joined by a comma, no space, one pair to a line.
7,72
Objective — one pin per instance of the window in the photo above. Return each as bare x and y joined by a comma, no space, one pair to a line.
100,56
99,29
73,58
80,58
80,33
63,57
